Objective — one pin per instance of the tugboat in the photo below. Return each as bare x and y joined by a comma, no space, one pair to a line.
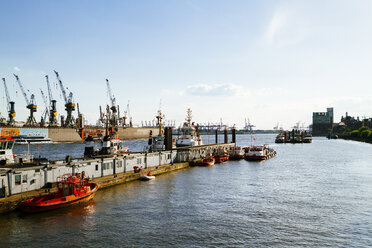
158,143
221,156
189,133
236,153
207,161
280,138
259,152
111,144
308,138
72,189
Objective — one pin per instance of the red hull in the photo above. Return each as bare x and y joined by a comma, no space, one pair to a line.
35,206
220,159
207,162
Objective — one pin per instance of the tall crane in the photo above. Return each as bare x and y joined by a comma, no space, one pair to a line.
129,116
31,104
114,108
52,105
45,113
11,111
69,104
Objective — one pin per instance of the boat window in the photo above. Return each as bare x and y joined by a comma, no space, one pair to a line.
120,164
17,179
3,145
96,167
24,179
10,145
139,161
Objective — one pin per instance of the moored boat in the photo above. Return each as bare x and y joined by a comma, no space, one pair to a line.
236,153
221,156
207,161
6,150
280,138
147,177
189,133
259,152
71,189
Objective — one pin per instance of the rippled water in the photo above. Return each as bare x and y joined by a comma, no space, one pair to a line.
309,195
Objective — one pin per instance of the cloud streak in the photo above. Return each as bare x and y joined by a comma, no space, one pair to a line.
16,68
216,90
277,23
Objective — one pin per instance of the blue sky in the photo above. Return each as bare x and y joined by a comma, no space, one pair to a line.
270,61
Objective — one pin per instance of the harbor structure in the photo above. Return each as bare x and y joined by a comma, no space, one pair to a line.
322,122
20,182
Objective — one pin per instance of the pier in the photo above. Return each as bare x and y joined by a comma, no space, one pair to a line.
19,183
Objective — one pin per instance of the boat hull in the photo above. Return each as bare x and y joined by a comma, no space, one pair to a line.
221,159
259,158
31,208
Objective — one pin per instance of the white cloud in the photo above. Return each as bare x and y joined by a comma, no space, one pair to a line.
217,90
16,68
277,23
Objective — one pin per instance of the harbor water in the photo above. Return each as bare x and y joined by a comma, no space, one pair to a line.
309,195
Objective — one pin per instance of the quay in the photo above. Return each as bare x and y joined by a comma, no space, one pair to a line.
18,183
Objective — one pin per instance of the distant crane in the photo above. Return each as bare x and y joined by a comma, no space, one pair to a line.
45,113
69,104
129,116
248,126
11,111
114,108
52,105
31,104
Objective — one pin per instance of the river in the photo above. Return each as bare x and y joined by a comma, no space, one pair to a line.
309,195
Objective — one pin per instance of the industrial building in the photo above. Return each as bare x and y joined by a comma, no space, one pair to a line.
322,122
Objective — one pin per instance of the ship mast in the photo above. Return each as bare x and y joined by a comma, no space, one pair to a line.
188,117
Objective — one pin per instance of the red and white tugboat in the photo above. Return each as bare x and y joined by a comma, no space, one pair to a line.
259,152
72,189
236,153
6,150
221,156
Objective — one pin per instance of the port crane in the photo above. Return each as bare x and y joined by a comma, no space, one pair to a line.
52,105
248,126
114,108
11,111
31,104
45,113
69,104
129,116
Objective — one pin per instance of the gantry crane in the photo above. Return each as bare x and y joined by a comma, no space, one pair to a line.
11,111
69,104
45,113
52,105
114,108
31,104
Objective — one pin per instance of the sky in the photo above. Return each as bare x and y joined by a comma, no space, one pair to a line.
269,61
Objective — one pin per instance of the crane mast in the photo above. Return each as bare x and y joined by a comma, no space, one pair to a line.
11,111
52,106
114,108
31,104
69,104
46,111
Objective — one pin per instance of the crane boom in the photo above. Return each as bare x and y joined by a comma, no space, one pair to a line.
62,87
22,89
49,89
6,92
112,98
46,111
